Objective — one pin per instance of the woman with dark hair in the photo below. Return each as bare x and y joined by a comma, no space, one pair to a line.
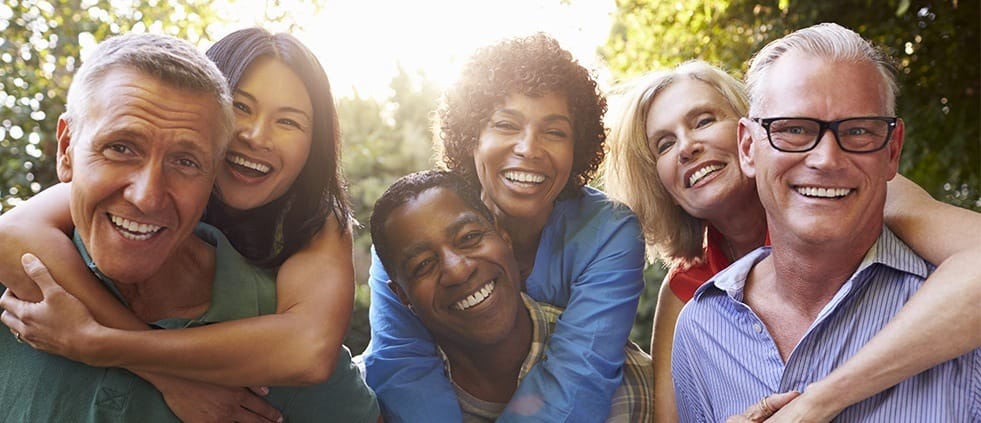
279,198
523,125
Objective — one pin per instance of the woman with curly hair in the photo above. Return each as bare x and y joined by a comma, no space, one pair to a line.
523,125
673,159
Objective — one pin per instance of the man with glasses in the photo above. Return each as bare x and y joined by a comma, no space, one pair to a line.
821,142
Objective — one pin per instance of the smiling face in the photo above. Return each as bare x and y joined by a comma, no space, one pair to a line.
524,155
141,165
691,130
273,132
825,194
453,269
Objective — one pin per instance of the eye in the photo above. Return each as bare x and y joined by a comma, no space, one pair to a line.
504,125
664,144
471,239
240,106
705,121
188,163
423,267
290,122
558,133
118,150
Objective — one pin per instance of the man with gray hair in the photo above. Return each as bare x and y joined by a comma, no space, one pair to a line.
147,121
821,141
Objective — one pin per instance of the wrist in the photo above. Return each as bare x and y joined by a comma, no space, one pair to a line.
96,346
826,398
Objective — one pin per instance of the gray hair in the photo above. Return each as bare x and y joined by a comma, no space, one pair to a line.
630,170
173,61
827,40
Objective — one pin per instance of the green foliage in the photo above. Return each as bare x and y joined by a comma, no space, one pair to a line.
40,49
936,44
640,333
382,142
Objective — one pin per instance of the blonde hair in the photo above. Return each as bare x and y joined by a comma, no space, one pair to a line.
630,170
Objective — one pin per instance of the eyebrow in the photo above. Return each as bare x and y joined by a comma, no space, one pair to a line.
550,118
281,109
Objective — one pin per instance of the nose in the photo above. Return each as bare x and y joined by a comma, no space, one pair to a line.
147,189
689,149
528,144
457,268
827,154
254,134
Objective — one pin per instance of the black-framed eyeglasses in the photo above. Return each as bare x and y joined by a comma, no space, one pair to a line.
854,135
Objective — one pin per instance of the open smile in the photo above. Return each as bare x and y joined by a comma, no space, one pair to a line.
820,192
247,167
133,230
476,298
702,172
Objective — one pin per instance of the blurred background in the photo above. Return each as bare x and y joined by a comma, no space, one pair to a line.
388,61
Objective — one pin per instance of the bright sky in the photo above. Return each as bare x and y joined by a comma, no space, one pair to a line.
361,43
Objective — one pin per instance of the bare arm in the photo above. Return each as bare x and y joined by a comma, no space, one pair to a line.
665,316
298,345
939,323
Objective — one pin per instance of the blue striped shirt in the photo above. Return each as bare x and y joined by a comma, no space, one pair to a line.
724,358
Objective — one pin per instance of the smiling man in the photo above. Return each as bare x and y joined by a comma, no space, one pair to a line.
821,141
454,268
147,121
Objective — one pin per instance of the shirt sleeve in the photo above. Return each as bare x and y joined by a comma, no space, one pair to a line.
585,354
401,363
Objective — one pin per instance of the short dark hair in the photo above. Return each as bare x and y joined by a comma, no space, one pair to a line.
533,66
406,189
269,234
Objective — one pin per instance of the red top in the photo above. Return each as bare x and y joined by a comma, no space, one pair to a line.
684,282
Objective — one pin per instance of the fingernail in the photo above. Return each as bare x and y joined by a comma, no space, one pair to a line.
28,259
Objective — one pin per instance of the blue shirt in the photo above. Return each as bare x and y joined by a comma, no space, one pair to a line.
725,360
590,261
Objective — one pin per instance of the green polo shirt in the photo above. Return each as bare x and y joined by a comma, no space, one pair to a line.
39,387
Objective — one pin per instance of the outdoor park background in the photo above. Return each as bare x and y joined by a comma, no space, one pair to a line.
388,60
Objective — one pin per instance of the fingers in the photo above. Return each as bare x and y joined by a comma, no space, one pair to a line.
778,401
260,409
259,390
38,272
12,307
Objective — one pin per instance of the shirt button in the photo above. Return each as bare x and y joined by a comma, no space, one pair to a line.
758,328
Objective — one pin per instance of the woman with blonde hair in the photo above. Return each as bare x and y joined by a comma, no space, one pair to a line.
673,160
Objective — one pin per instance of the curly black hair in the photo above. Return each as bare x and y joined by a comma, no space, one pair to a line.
534,66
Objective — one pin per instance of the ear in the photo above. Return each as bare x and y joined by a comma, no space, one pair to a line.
744,136
895,147
399,292
64,158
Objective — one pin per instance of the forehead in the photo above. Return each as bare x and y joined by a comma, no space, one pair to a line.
269,80
145,109
552,105
686,95
800,84
429,219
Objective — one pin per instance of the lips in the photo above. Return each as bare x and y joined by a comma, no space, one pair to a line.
821,192
701,172
476,298
133,230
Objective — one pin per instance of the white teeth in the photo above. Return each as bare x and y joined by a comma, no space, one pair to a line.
823,192
703,172
524,177
133,230
258,167
475,298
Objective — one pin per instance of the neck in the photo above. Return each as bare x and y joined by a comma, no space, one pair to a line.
744,231
181,288
490,372
525,236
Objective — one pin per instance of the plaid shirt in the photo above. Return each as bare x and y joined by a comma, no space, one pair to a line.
632,401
